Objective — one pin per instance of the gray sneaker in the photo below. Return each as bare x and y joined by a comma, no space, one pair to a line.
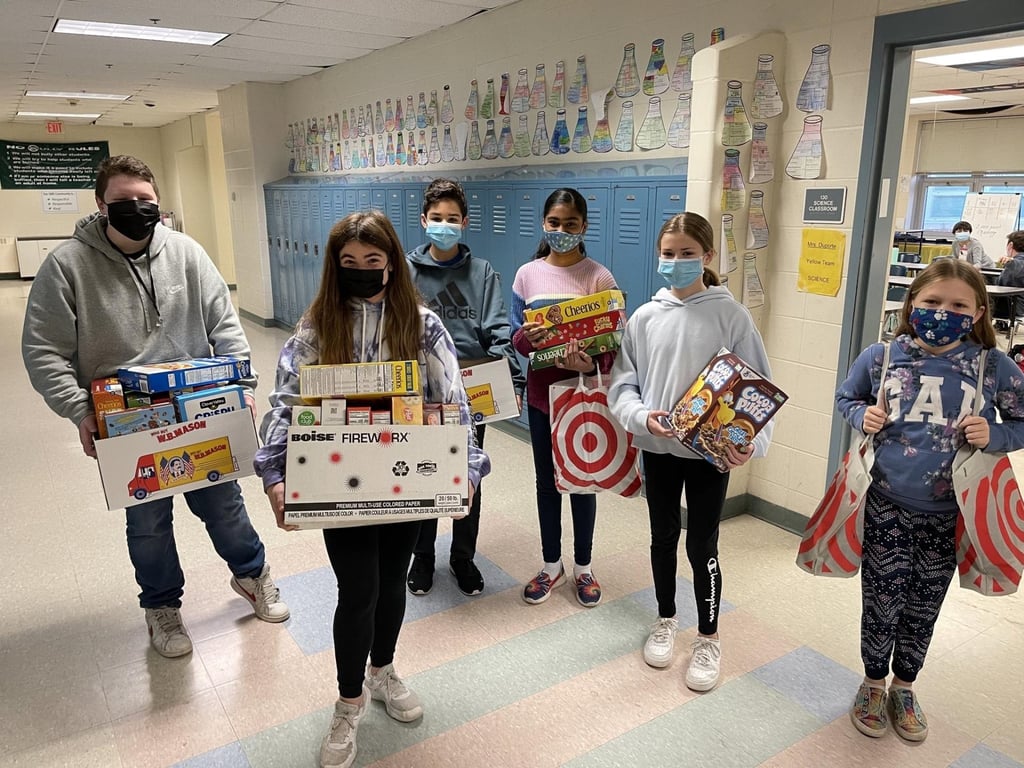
339,746
263,595
400,703
167,633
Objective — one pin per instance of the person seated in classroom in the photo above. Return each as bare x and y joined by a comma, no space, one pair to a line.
1013,271
970,248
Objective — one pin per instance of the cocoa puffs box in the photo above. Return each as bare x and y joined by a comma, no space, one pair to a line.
729,402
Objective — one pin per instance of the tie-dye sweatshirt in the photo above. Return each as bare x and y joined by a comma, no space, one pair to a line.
439,375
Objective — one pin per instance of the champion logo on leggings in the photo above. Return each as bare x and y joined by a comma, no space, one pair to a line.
713,574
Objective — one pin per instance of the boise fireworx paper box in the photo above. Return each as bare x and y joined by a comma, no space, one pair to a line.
729,402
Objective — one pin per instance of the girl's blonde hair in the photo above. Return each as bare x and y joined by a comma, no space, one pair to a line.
952,269
331,314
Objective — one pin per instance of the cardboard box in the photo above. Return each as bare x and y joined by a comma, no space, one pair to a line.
407,410
729,402
489,389
577,309
139,419
340,476
164,377
451,413
585,328
432,415
209,402
332,413
606,342
306,415
365,380
380,417
107,397
358,414
177,458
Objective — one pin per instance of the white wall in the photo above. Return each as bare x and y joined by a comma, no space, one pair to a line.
21,213
801,331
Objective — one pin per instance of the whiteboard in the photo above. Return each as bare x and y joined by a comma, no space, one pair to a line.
993,216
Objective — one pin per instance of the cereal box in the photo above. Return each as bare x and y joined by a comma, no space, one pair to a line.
306,415
209,402
606,342
163,377
584,328
139,419
106,398
366,380
332,413
407,410
728,403
576,309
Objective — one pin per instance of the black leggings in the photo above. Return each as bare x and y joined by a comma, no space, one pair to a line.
370,563
665,476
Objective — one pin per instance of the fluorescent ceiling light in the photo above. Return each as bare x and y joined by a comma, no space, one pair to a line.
78,95
136,32
69,115
974,57
937,98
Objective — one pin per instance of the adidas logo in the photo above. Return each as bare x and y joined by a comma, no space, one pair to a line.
451,304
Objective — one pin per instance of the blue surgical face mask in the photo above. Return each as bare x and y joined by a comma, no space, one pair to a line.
939,327
562,242
443,235
681,273
961,236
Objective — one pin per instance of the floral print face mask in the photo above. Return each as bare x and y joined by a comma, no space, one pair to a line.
939,327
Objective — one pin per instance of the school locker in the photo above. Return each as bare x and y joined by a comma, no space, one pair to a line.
287,254
273,244
476,235
596,236
362,200
499,221
631,259
378,199
669,200
414,235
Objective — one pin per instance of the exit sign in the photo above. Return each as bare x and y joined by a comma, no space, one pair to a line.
54,126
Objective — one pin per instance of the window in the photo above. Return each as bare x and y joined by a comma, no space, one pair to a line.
937,201
943,205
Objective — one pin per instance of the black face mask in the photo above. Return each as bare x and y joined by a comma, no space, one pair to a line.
135,219
361,283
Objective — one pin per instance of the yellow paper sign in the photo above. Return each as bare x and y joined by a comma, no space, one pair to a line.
821,261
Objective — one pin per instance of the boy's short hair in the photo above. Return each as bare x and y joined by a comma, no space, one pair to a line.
1016,239
444,189
122,165
963,226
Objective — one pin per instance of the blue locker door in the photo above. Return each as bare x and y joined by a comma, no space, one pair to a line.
632,260
326,215
477,235
273,243
499,219
598,224
527,217
413,208
362,199
395,209
670,199
352,200
297,209
378,199
287,254
314,233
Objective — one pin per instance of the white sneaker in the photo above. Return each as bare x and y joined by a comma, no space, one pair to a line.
167,633
339,746
705,665
658,648
400,703
263,595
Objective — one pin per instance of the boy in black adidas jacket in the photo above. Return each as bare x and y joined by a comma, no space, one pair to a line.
466,293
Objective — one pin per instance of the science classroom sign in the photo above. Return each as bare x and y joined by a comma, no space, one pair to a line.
821,261
40,165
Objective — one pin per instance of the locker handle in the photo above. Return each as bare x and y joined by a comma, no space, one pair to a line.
631,197
674,197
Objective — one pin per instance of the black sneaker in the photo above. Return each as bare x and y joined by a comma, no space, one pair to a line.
421,575
467,575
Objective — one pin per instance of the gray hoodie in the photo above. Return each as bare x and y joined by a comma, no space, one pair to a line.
666,344
88,314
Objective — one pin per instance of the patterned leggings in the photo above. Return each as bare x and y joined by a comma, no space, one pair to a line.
909,560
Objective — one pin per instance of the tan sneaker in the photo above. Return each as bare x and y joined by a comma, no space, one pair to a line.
908,719
263,595
400,703
868,711
167,632
339,746
705,664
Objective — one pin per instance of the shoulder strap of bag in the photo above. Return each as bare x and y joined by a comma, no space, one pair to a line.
979,393
880,402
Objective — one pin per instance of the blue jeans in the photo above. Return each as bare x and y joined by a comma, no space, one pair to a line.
549,500
153,552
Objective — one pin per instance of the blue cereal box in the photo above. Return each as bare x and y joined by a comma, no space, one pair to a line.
139,419
209,402
164,377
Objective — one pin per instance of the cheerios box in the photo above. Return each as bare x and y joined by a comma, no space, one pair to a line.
605,342
164,377
355,380
729,402
176,458
576,309
354,475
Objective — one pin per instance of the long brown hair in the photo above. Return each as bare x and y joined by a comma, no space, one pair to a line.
952,269
331,313
696,226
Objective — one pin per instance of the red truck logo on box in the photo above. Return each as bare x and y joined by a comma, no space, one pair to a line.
210,460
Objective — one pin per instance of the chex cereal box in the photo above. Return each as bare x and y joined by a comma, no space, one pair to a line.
164,377
577,309
729,402
367,380
584,328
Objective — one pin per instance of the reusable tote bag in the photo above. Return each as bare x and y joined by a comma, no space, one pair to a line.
990,529
591,450
832,541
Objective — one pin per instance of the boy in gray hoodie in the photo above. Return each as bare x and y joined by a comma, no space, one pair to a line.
126,290
466,294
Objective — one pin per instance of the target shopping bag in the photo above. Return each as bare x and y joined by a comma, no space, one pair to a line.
591,450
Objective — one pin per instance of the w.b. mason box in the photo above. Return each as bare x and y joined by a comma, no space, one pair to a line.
357,475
